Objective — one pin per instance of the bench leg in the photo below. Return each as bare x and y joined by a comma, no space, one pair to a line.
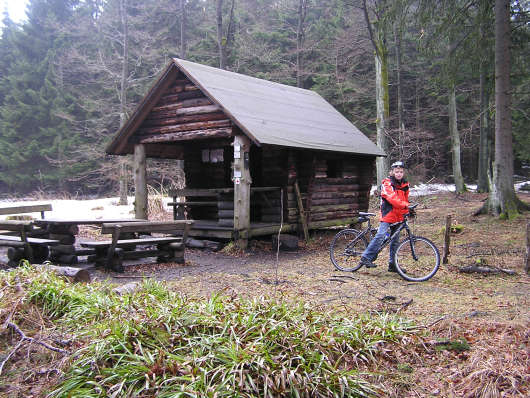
175,253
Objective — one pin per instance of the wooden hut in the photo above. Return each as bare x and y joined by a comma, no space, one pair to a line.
248,147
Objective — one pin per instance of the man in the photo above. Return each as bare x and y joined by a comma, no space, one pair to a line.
394,205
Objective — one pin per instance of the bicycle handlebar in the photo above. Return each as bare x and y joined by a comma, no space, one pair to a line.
412,207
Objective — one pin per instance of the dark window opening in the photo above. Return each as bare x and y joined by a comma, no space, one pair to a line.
334,168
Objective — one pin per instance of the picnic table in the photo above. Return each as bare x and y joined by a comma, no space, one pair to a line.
65,231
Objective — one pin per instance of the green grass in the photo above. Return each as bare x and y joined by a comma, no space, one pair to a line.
156,342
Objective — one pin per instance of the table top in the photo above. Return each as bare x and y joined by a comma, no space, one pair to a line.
84,221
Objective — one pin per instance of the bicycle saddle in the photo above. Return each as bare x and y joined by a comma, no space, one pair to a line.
362,213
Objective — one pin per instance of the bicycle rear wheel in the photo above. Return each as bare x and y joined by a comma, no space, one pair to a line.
346,249
421,267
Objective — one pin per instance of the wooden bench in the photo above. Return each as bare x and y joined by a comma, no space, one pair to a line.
111,253
26,209
21,245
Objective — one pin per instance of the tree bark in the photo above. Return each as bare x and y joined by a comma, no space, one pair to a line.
381,92
302,9
183,29
123,95
484,157
224,41
502,200
140,182
455,141
383,113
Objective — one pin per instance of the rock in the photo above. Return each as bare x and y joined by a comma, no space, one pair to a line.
288,243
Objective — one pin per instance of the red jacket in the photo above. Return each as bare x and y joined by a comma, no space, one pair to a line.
394,199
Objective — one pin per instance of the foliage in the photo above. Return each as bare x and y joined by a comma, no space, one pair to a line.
61,82
157,342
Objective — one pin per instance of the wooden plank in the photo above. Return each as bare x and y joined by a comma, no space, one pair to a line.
173,204
156,121
189,103
16,225
147,226
197,110
180,96
25,209
301,211
188,135
128,242
33,241
200,192
209,124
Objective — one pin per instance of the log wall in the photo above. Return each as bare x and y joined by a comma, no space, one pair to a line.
181,115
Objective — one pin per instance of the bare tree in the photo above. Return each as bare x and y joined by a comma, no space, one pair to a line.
378,39
183,42
300,36
224,41
502,199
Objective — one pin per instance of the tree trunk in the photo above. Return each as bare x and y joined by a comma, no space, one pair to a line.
455,141
502,200
183,29
401,124
302,8
484,156
382,104
224,41
123,95
220,45
381,91
140,182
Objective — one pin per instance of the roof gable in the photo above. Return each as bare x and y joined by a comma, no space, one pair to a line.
268,112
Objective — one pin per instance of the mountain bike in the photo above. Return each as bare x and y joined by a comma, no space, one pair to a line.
417,258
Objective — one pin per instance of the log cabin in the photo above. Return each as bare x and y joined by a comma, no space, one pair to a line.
256,154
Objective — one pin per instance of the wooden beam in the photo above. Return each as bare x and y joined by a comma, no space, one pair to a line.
185,127
189,103
140,182
149,122
188,135
196,110
301,211
242,182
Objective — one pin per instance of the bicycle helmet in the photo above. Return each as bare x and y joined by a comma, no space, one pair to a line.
398,163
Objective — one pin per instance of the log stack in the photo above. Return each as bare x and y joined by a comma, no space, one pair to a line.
65,252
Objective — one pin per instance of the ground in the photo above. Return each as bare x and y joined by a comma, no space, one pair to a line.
309,275
475,328
489,313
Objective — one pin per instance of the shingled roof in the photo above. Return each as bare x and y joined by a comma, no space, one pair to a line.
267,112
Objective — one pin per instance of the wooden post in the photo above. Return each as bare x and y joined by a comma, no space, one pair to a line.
242,183
527,265
301,211
140,182
447,240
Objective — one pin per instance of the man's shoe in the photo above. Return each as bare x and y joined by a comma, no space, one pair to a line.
392,268
367,263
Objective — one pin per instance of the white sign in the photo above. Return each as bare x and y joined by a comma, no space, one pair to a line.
237,155
237,174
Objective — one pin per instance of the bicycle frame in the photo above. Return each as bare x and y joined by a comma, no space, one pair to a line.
402,225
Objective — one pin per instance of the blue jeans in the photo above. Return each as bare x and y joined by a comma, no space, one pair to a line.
370,253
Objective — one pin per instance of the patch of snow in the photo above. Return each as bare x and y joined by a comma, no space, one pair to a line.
76,209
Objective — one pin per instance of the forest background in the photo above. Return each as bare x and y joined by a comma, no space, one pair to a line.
73,72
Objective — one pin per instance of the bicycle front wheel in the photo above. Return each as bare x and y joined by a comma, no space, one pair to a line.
417,259
346,249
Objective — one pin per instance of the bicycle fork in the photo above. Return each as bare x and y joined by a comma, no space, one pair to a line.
411,242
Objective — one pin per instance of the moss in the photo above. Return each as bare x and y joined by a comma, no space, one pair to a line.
454,345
